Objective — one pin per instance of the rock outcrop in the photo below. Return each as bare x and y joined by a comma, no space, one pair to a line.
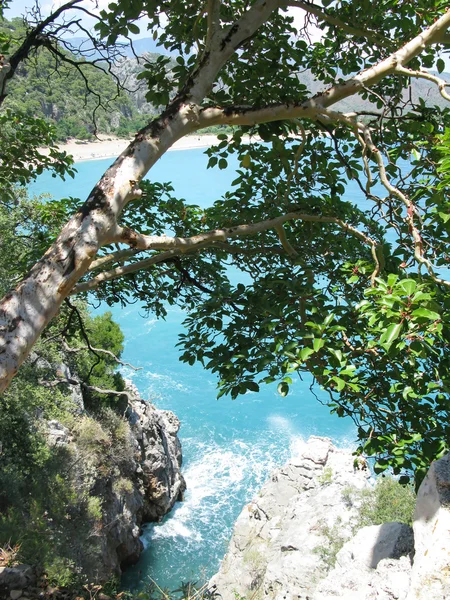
302,521
430,576
375,563
280,539
303,516
142,489
125,472
159,457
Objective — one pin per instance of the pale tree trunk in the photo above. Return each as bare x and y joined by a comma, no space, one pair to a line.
25,311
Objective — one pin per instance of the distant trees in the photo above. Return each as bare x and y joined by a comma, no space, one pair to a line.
356,294
79,102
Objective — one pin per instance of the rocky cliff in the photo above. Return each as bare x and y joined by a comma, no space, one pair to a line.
119,472
300,538
154,472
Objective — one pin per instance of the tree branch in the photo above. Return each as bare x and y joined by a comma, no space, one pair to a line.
441,83
154,242
117,256
176,246
71,350
285,242
92,388
411,210
213,21
224,43
34,39
25,311
322,15
315,107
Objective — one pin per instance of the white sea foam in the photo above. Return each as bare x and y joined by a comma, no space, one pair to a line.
281,424
175,528
219,481
297,446
149,324
160,384
145,327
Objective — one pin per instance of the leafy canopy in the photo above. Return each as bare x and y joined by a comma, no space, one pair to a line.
353,291
374,332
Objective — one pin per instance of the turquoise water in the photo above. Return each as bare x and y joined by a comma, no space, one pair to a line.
229,447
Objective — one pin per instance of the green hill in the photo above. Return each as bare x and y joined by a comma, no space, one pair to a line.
79,101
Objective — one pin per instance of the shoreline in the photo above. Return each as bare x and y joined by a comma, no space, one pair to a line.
111,147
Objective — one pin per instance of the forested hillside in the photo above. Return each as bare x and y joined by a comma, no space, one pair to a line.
79,102
83,102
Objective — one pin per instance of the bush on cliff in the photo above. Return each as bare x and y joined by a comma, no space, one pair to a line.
49,507
388,502
51,496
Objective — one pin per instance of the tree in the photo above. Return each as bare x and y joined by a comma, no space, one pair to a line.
352,295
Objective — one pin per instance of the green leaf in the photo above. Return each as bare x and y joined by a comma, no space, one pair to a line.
390,335
408,286
328,319
133,28
425,313
340,383
252,386
440,65
305,353
337,354
318,343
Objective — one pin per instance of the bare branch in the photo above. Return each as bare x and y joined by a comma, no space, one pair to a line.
322,15
153,242
92,388
411,210
117,256
34,39
213,21
285,242
315,108
441,83
71,350
225,42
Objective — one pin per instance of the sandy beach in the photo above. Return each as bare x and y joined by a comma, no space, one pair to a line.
110,147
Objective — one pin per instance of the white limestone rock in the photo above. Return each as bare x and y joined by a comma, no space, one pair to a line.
372,544
431,572
57,434
273,552
375,563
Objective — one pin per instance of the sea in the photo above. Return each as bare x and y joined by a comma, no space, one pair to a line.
229,447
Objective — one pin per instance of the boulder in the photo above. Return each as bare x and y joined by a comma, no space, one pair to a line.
13,578
57,434
389,581
372,544
431,571
374,564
